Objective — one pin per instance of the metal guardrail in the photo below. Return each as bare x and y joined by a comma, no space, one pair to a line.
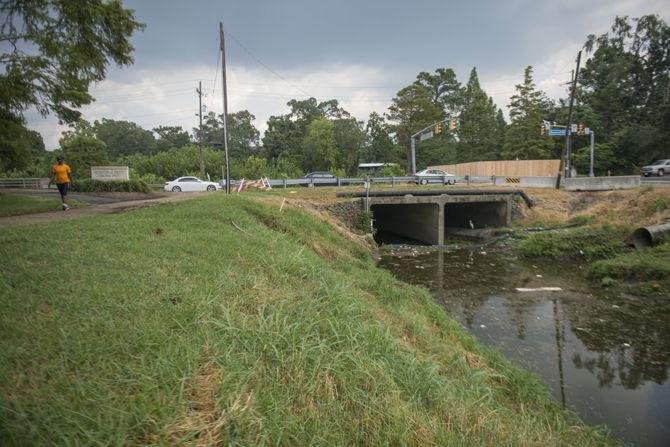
21,183
343,181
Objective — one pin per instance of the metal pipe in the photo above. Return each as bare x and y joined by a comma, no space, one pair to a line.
649,236
440,192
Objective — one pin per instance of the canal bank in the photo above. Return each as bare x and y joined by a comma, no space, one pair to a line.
243,320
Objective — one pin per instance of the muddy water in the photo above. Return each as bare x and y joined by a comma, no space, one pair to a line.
603,354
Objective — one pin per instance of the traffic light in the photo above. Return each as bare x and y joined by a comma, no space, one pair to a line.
452,124
542,129
580,130
438,129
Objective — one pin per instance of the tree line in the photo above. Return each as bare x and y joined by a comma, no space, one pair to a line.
623,94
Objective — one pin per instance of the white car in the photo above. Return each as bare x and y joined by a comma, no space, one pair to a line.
434,176
188,184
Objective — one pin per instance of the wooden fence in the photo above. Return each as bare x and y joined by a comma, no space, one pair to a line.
517,168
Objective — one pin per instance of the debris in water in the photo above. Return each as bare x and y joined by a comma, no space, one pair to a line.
614,306
483,326
482,252
539,276
626,345
538,289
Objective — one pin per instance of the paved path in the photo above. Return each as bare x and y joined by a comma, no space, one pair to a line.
107,207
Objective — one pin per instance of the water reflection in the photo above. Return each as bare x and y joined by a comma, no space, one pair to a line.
605,355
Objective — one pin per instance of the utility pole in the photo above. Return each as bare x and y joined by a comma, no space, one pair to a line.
593,141
225,106
566,148
202,151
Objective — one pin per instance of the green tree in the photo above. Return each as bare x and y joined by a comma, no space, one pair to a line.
243,137
124,138
56,49
626,86
319,149
479,129
19,147
412,109
528,108
171,137
83,151
380,146
445,89
350,139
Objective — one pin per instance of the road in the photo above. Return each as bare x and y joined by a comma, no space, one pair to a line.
655,178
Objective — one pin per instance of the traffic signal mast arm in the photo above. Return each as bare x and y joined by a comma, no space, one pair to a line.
437,128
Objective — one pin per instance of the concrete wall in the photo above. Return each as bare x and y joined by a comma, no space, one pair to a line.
601,183
503,167
420,221
526,182
481,214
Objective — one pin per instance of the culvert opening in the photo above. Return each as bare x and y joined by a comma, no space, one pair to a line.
416,223
475,215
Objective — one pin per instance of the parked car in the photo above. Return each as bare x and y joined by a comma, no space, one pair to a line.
659,167
434,176
322,178
189,184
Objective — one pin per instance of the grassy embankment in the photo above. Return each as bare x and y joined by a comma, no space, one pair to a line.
603,243
15,204
168,325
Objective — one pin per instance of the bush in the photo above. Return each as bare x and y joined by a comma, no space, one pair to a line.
90,185
392,170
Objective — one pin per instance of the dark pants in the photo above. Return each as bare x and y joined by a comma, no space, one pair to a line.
62,189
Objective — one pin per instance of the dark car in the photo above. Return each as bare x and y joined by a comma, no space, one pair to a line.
321,178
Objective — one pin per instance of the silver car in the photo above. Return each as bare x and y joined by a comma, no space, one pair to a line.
434,176
659,167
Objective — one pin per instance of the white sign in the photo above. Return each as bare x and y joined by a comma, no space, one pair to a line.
109,173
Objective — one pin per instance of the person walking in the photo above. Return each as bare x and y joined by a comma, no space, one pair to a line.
62,176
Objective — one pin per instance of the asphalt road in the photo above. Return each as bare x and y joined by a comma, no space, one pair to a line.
655,178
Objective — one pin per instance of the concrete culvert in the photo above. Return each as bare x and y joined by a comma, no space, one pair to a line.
649,236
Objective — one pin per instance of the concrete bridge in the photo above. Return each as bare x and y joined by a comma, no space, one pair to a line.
428,215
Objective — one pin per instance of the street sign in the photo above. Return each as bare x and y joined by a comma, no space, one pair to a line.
573,128
426,135
557,132
587,131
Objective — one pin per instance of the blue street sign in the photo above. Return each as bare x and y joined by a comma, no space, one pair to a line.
559,132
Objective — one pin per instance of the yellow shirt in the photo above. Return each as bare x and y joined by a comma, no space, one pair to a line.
61,172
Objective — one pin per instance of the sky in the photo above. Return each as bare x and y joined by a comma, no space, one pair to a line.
359,52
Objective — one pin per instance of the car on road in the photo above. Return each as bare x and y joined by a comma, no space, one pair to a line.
434,176
321,178
190,184
659,167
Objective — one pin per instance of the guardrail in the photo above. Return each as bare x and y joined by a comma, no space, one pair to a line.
343,181
21,183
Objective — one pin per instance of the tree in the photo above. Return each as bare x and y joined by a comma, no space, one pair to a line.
57,49
445,89
19,147
243,137
83,151
124,138
319,150
350,139
171,137
626,86
380,146
528,107
412,109
479,131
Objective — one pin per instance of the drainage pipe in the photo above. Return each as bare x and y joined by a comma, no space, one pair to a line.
440,192
648,236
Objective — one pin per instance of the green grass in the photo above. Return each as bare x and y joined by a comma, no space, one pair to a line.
168,325
648,269
14,204
587,244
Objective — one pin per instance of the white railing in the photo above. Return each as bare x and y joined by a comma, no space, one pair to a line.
22,183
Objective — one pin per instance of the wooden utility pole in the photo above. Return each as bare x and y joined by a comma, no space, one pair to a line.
225,106
202,151
566,148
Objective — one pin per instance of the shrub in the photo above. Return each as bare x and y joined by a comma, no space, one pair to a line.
90,185
392,170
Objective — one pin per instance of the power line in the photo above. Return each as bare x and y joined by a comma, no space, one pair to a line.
264,65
